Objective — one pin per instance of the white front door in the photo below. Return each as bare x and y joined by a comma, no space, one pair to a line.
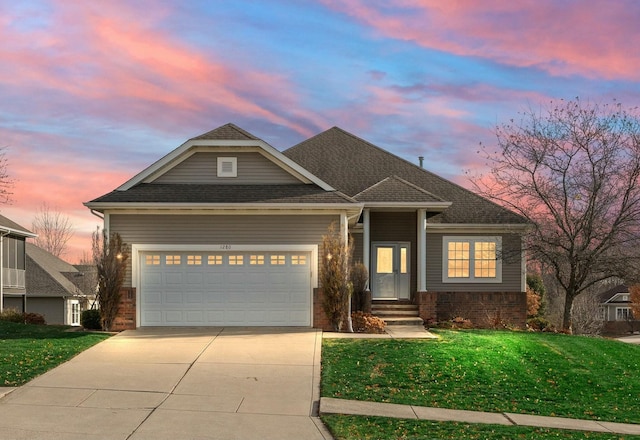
390,274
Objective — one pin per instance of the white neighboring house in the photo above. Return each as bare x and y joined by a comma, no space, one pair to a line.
13,262
56,289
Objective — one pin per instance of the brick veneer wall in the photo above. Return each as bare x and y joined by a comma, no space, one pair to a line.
484,309
126,318
320,319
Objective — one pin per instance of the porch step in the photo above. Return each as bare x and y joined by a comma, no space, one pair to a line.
397,313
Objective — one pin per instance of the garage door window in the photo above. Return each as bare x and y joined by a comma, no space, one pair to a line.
194,260
277,260
236,260
214,260
298,260
256,260
152,260
172,260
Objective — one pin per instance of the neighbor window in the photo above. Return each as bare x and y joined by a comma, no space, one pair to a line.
471,260
623,314
75,313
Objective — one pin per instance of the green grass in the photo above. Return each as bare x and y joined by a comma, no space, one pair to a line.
531,373
358,427
27,351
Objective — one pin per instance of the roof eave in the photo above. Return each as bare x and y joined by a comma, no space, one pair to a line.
17,232
104,206
478,227
432,206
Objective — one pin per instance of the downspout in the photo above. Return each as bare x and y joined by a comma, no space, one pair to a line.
97,214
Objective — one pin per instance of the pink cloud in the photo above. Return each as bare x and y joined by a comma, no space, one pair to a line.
563,38
111,62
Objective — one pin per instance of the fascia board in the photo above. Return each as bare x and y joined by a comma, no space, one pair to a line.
18,232
111,206
417,205
481,228
184,151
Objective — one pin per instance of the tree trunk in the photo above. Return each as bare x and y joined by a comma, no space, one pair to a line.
566,317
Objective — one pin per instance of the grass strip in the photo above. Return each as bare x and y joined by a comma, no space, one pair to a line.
495,371
359,427
27,351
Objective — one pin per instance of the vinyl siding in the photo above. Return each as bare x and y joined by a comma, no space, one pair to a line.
253,168
511,267
221,229
395,227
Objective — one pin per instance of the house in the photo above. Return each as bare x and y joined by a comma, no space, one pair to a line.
227,230
615,310
56,289
12,255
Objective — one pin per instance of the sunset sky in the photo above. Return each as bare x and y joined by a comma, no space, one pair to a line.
93,92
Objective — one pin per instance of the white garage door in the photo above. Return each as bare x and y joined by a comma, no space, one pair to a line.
225,288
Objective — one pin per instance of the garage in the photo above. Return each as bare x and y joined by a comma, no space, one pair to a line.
225,288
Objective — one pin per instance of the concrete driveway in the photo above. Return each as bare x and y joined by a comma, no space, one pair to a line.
177,383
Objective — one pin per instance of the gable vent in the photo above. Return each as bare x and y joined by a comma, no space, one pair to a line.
227,167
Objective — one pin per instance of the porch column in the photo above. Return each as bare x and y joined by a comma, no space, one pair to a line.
366,239
422,250
344,227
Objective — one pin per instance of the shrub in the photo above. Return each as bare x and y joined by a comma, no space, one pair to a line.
12,315
34,318
539,324
334,277
367,323
359,281
90,319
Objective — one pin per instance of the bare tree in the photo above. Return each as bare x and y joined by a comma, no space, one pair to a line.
6,182
585,315
54,230
335,279
572,170
110,255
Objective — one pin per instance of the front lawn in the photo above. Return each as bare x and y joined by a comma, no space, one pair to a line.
27,351
532,373
375,428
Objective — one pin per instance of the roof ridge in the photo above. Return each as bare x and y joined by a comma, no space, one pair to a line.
228,125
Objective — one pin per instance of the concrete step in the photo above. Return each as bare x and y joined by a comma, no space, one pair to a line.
391,313
414,320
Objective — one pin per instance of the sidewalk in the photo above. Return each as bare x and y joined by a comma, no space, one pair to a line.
330,405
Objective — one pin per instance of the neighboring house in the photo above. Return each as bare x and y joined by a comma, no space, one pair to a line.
12,256
56,289
615,310
227,230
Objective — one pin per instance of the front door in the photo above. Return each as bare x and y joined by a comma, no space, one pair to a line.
390,271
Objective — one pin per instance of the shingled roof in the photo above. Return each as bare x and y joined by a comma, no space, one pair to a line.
48,275
14,228
227,132
222,194
395,189
352,165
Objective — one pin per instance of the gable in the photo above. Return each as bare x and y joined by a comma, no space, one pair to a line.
202,167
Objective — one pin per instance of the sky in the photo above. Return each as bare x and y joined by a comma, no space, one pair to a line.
91,93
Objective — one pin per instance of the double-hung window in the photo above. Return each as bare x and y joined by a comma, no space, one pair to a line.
471,259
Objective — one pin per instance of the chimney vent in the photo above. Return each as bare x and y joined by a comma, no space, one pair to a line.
421,159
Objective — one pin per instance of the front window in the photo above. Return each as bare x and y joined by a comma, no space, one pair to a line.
472,260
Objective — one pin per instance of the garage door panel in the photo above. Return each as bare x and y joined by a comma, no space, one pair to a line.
234,288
